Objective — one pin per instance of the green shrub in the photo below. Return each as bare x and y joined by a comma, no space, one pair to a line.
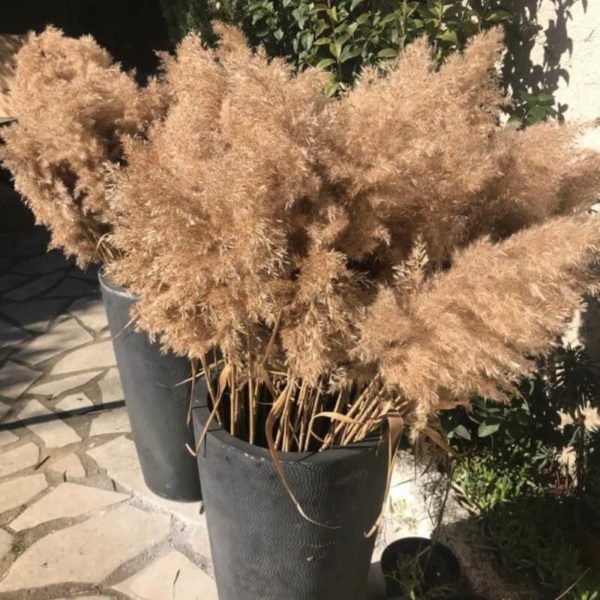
528,523
183,16
343,36
509,475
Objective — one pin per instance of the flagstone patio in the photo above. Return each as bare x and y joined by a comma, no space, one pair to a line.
76,518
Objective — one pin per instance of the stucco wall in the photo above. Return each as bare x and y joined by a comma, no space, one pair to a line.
570,39
556,48
568,47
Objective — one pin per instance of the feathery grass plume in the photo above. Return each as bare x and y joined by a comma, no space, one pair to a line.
474,329
73,105
343,260
421,152
223,203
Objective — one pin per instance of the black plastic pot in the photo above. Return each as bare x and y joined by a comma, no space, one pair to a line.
156,402
440,566
262,547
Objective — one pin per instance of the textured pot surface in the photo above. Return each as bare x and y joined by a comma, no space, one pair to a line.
156,402
262,547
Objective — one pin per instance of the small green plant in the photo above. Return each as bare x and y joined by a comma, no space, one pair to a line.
509,474
529,525
413,577
486,481
17,548
574,382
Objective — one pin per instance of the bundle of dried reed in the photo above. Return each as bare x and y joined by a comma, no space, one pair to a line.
73,106
334,263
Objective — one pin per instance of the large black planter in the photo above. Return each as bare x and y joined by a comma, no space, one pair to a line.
262,548
156,402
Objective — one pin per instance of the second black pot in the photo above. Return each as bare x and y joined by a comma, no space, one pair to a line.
438,564
156,401
262,547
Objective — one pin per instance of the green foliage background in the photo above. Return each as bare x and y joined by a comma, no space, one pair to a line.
343,36
509,475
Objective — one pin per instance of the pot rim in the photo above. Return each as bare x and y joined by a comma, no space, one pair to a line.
108,284
215,431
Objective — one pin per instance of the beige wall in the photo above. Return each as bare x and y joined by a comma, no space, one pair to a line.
572,45
570,49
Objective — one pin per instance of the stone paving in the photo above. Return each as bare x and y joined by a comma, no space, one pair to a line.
76,518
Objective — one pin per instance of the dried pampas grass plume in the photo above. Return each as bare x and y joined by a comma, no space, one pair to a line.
73,106
382,253
474,329
338,261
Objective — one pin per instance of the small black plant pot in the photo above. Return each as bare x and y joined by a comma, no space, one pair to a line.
262,547
156,401
436,562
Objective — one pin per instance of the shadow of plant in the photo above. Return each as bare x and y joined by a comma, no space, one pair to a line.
531,538
532,83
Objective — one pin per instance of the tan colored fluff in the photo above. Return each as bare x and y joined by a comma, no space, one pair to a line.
73,104
474,329
380,253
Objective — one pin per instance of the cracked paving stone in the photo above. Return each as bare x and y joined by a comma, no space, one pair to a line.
10,336
89,551
34,315
200,542
96,356
4,408
6,437
67,500
90,311
69,466
87,598
72,287
110,386
74,402
54,432
35,287
43,264
64,335
5,543
10,281
119,458
172,576
19,491
111,421
15,379
59,386
18,458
